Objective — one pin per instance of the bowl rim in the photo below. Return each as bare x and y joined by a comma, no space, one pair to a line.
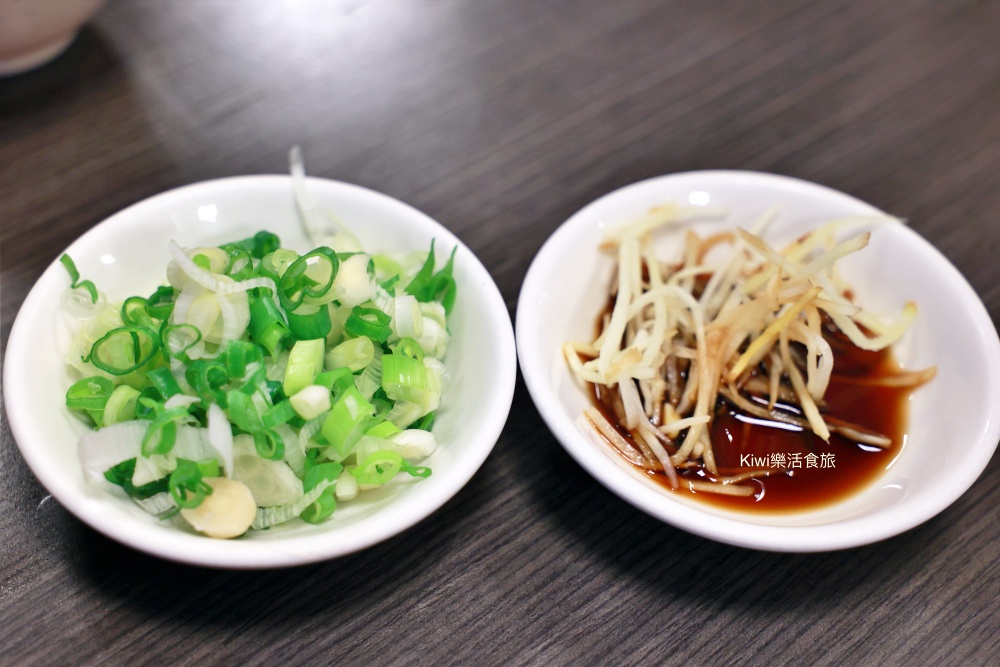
721,526
288,550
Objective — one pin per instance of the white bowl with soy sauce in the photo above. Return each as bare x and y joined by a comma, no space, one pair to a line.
946,429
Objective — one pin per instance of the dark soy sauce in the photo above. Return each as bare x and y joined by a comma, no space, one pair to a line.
815,473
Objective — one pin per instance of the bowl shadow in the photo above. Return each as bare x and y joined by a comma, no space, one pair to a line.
236,602
679,567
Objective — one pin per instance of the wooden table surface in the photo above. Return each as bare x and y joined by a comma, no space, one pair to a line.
500,118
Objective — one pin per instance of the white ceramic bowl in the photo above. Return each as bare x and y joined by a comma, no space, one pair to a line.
954,421
32,33
127,254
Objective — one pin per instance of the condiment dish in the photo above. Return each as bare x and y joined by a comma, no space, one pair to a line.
128,253
954,421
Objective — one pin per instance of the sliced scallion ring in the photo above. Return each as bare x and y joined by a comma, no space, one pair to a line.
74,277
269,444
134,313
161,303
179,339
187,484
370,322
378,468
125,349
90,393
308,322
309,277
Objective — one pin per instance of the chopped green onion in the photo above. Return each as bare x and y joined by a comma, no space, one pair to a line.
121,405
310,402
415,471
74,277
409,348
336,380
187,486
389,283
161,434
353,353
310,276
369,322
429,286
149,404
179,339
369,381
347,421
272,389
202,261
280,413
420,283
269,445
443,285
258,245
209,467
125,349
305,362
324,506
274,264
309,322
242,412
222,372
267,327
161,303
239,354
270,516
387,267
164,382
134,313
383,404
208,378
90,393
378,468
404,378
272,482
121,475
383,429
240,265
425,423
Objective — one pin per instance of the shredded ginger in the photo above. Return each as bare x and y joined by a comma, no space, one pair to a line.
732,317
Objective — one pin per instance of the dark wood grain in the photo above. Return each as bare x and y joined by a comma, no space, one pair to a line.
501,118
